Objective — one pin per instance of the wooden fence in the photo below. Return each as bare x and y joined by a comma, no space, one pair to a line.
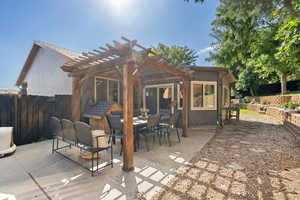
29,115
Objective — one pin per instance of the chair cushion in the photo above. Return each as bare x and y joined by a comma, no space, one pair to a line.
102,140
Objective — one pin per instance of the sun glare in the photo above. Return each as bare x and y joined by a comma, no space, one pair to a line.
118,2
119,6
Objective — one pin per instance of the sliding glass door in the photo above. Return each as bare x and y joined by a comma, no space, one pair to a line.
158,98
151,100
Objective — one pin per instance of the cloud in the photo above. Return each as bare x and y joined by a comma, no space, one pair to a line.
205,50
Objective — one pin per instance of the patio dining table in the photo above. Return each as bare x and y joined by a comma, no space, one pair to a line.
138,123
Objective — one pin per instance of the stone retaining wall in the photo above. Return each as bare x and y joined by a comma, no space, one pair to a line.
276,100
290,120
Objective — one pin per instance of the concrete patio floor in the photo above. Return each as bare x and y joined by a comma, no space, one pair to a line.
33,169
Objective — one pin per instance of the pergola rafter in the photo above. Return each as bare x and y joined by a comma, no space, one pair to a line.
129,62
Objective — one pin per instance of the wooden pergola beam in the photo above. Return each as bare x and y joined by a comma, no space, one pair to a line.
108,65
76,95
128,117
185,107
163,66
162,80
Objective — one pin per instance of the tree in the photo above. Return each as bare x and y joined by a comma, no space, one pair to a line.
263,57
233,38
276,47
177,54
260,7
248,80
289,36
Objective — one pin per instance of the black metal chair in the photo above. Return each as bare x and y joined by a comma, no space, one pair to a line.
151,130
166,128
57,133
120,113
85,142
69,133
116,129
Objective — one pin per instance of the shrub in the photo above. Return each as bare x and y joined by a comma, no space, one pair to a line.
290,105
245,100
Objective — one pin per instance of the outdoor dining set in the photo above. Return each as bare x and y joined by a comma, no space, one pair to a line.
91,142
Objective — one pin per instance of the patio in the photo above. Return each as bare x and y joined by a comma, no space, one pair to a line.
34,173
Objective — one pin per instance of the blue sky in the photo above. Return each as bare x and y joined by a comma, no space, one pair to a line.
83,25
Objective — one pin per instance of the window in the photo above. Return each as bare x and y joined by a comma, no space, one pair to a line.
106,90
225,96
113,91
203,95
179,96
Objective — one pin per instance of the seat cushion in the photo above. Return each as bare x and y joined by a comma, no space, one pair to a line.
102,139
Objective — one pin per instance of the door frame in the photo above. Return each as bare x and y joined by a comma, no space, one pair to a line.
157,86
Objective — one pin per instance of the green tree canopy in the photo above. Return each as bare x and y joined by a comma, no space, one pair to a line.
260,7
288,34
251,42
179,55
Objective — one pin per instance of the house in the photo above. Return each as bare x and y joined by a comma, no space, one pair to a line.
209,90
41,74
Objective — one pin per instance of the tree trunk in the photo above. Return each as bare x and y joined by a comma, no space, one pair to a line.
282,77
252,92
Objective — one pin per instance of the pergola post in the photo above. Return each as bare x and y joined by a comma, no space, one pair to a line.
185,109
76,88
128,117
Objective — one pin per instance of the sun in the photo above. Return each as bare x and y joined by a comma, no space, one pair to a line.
118,3
119,7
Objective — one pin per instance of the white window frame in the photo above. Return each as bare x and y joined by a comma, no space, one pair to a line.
204,83
107,87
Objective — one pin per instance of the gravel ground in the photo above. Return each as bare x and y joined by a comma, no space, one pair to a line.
255,158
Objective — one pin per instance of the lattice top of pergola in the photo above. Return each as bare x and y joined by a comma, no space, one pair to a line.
108,61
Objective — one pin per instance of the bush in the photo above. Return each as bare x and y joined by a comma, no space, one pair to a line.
290,105
245,100
264,102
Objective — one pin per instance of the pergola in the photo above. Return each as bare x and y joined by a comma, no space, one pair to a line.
130,63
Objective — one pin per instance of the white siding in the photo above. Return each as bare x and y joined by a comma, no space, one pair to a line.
46,78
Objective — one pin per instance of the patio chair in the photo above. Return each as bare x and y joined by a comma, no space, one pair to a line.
85,139
116,129
173,124
69,134
120,113
57,133
151,130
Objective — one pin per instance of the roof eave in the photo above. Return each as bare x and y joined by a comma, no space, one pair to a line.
28,63
30,58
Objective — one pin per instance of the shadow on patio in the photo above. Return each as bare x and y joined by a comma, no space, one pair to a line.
62,179
250,159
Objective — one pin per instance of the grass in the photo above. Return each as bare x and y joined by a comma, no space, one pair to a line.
249,112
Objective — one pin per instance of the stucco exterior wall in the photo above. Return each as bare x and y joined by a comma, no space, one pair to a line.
45,77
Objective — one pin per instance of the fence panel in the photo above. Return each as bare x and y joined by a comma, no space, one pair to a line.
29,115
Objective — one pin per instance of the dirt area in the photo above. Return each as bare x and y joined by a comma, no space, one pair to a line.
255,158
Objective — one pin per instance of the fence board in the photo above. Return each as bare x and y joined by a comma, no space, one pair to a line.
29,115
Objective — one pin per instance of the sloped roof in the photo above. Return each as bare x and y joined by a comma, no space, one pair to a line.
231,78
66,54
61,50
